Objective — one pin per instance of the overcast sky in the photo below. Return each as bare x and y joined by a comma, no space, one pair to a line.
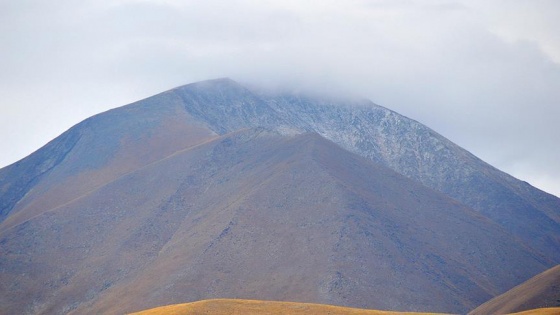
485,74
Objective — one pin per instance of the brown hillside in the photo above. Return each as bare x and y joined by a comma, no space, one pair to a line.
541,291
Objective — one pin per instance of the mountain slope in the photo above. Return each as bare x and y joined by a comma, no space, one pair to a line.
18,179
254,214
541,291
95,152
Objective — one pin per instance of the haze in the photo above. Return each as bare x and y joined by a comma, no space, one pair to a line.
484,74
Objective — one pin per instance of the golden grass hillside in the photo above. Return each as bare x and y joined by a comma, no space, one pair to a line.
254,307
540,311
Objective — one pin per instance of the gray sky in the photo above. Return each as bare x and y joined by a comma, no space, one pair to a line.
485,74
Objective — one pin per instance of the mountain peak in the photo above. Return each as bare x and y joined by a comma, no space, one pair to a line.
212,84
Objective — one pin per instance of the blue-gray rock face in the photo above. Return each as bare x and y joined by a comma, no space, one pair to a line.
398,142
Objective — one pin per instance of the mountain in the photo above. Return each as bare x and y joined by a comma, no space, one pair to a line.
541,291
213,190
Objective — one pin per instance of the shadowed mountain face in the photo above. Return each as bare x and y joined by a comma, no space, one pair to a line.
214,191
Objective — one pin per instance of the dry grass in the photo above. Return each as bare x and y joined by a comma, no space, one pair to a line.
540,311
253,307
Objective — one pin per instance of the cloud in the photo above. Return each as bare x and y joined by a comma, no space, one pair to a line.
484,74
535,21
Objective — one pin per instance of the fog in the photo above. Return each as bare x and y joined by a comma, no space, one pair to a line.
484,74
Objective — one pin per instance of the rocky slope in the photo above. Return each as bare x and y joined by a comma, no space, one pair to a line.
400,143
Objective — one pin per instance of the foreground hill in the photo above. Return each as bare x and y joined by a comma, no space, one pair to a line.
541,291
214,191
251,307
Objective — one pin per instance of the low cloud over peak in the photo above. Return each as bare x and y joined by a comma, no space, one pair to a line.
486,75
